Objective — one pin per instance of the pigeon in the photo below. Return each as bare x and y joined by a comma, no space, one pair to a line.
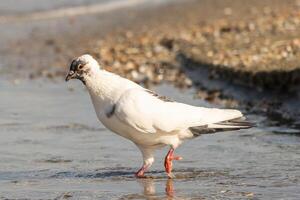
149,120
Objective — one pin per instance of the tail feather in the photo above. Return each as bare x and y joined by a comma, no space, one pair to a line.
236,122
229,125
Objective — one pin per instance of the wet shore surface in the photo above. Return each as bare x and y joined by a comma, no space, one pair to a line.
53,147
221,40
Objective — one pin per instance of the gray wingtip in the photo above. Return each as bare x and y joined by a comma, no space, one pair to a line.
230,125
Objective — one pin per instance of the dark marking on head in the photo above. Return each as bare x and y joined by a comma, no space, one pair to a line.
163,98
111,112
77,65
77,69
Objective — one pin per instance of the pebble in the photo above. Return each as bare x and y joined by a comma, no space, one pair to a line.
265,41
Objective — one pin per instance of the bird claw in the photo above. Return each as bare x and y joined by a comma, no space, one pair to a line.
176,158
171,175
141,172
168,162
140,175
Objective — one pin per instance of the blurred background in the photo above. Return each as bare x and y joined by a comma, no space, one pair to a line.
214,53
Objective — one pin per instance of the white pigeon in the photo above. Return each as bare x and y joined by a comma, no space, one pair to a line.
147,119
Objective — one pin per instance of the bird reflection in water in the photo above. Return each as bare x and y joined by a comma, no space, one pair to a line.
150,190
170,188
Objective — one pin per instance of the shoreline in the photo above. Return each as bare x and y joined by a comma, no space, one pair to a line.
136,46
73,11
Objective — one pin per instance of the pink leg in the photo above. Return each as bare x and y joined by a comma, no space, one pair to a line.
141,172
168,162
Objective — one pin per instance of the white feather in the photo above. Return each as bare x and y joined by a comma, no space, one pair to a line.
148,114
131,111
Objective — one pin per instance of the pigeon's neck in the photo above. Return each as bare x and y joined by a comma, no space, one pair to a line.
102,85
106,88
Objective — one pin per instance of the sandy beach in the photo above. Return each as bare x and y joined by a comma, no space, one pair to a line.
220,38
214,53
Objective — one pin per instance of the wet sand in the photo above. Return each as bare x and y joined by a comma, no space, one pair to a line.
190,35
53,147
47,36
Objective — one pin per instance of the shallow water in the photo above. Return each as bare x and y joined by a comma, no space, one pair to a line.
28,6
53,147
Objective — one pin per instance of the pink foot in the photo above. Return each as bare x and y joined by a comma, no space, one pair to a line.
141,172
168,162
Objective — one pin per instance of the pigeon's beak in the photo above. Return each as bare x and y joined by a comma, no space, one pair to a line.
71,75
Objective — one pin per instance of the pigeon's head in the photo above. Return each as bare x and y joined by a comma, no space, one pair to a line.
81,67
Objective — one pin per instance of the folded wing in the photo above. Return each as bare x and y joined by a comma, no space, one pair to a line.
150,114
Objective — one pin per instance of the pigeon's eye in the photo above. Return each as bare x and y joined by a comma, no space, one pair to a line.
80,66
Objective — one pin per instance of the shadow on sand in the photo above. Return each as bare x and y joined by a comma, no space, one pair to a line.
276,101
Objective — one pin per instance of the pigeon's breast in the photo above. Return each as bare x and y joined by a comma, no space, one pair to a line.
111,122
115,125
